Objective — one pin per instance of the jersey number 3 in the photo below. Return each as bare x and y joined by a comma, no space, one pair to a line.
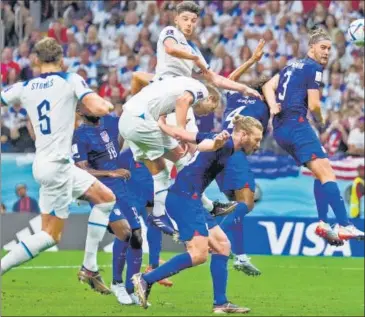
44,120
285,85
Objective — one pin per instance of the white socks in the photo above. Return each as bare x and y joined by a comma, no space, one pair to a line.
161,182
27,249
207,203
98,222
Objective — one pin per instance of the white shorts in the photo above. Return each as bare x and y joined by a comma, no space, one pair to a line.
60,183
144,137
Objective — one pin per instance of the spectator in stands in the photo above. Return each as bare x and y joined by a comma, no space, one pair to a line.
157,26
131,28
228,66
24,203
357,192
87,65
72,56
7,63
125,73
22,55
254,31
93,43
59,32
19,129
356,139
112,82
332,95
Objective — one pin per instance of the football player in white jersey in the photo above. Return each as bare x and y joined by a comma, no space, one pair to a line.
50,101
138,126
177,55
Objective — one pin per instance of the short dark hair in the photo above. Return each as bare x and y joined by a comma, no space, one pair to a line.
188,6
259,82
48,50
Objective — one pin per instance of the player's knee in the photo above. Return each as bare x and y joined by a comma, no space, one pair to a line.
121,229
136,239
225,247
199,255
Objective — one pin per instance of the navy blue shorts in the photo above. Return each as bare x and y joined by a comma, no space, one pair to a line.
236,175
124,209
300,141
189,215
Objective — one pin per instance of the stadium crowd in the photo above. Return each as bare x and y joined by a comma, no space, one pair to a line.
105,41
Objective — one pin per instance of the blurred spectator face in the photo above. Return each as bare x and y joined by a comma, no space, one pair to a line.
114,18
336,80
228,62
115,95
245,53
112,79
36,71
336,67
7,55
72,50
21,190
57,26
131,62
164,18
82,73
274,6
71,37
268,36
92,33
282,22
227,5
340,39
319,10
186,22
208,20
273,46
85,57
258,19
144,34
24,49
131,18
229,32
35,36
330,21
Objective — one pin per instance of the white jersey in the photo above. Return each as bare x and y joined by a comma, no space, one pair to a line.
50,101
168,65
190,121
159,98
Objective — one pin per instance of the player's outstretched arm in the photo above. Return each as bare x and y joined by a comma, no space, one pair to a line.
95,105
256,56
118,173
181,108
139,81
225,83
174,49
176,132
314,105
269,91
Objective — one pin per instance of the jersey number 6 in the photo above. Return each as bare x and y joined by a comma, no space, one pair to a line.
44,120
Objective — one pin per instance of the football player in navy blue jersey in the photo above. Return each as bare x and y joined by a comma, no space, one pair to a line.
95,149
140,186
197,228
237,181
290,94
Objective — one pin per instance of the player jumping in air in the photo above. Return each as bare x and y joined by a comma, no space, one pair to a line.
197,228
289,95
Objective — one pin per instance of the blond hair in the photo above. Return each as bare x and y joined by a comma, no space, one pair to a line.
48,50
318,35
246,123
213,92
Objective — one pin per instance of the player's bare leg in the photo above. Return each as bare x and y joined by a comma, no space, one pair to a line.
323,171
104,200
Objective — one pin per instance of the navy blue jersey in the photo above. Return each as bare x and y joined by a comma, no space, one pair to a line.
98,145
141,182
245,106
292,92
202,169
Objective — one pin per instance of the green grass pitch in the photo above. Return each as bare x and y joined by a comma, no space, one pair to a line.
289,286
